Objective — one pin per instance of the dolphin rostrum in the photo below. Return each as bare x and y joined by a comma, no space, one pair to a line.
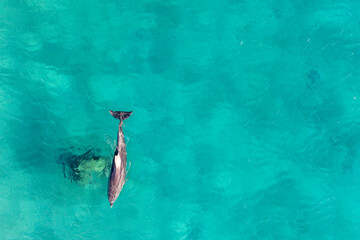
118,169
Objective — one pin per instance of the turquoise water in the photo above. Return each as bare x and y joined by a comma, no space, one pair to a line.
245,125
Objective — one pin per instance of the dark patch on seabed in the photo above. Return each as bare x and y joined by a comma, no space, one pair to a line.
313,77
78,168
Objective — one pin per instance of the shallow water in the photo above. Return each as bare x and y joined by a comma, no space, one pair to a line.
245,119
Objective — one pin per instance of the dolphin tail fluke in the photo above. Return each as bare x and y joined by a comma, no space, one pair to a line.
120,115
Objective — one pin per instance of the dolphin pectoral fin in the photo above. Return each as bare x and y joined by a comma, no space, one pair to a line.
120,115
128,168
127,172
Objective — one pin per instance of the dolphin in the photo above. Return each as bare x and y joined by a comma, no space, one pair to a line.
118,169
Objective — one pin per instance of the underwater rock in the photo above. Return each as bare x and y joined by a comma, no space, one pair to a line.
81,169
313,77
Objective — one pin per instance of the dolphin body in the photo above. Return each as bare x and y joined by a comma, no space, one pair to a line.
118,169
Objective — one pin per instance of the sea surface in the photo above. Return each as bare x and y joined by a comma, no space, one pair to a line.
245,124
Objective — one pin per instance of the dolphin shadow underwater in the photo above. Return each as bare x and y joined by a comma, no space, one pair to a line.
117,177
